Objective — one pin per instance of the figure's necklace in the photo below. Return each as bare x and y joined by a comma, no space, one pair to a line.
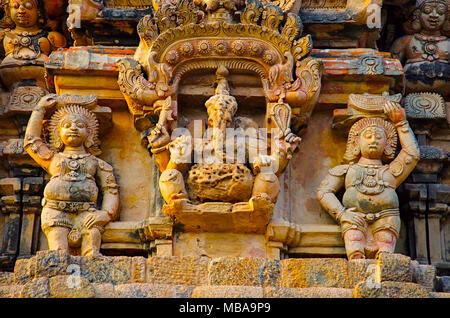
73,164
430,46
26,39
371,180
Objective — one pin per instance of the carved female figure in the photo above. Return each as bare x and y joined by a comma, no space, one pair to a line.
27,41
70,216
426,53
369,212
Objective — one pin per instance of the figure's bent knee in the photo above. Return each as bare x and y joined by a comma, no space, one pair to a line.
354,235
385,236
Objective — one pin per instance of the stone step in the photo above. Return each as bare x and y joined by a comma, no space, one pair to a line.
443,284
63,287
391,275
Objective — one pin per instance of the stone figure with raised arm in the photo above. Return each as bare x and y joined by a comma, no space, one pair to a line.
70,215
369,211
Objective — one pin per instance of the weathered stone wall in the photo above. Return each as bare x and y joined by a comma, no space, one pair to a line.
50,274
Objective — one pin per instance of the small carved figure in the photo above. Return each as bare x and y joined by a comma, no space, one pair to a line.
369,212
27,41
70,216
426,53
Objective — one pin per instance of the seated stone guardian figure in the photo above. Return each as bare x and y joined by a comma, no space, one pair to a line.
70,215
425,54
369,212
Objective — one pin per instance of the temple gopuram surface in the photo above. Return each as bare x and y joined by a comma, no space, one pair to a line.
224,149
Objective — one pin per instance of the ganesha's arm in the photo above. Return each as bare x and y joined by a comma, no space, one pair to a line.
110,189
332,183
33,143
408,157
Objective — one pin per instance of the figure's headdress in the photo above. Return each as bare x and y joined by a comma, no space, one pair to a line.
34,2
353,150
420,2
92,142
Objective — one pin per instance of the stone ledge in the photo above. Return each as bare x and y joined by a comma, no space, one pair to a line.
439,295
228,292
311,292
43,275
152,291
390,290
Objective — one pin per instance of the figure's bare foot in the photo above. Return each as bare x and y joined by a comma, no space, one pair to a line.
93,254
356,255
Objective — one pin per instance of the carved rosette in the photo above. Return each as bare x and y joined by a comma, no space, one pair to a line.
425,106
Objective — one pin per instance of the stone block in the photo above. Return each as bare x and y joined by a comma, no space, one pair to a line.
113,270
361,270
443,284
65,286
244,271
22,271
51,263
103,290
394,267
138,269
188,270
311,292
424,275
153,291
228,292
6,278
36,288
439,295
390,290
11,291
314,272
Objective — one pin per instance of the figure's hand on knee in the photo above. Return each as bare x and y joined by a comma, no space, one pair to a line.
353,217
98,217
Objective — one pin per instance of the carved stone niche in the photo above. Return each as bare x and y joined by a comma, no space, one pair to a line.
232,58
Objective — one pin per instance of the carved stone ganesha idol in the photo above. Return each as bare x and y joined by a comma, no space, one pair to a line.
221,176
70,215
369,212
